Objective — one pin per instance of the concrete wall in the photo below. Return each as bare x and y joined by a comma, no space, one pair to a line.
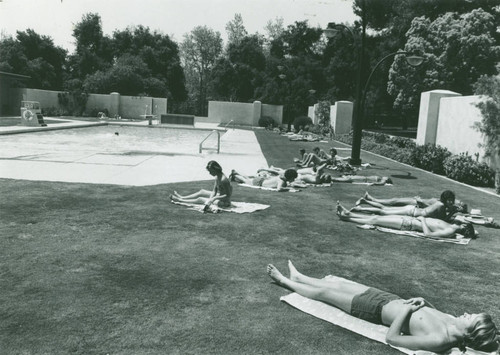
125,106
274,111
245,114
341,117
455,126
428,115
47,98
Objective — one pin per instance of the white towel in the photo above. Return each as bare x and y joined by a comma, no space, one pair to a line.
459,239
236,207
335,316
289,189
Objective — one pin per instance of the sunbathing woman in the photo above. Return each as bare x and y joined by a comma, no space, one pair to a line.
312,175
441,209
413,323
219,196
431,227
278,182
416,200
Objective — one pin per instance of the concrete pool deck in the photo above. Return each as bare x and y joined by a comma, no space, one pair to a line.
239,150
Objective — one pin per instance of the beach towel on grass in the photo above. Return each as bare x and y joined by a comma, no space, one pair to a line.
338,317
288,189
236,207
459,239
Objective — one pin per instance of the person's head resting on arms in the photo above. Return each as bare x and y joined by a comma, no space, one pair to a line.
214,168
333,152
290,174
467,230
480,334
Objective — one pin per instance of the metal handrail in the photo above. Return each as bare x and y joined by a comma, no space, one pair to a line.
232,121
218,140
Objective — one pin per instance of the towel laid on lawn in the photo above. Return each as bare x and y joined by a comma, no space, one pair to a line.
288,189
236,207
459,239
338,317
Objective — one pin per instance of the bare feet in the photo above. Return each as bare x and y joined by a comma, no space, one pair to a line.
360,201
341,210
274,273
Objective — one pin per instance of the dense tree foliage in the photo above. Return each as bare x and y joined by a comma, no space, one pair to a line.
458,49
293,66
200,50
35,56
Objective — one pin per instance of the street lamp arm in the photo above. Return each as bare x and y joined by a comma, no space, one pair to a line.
373,71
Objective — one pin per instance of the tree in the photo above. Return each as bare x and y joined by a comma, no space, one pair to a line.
489,87
236,77
458,49
199,52
36,56
161,56
235,30
93,51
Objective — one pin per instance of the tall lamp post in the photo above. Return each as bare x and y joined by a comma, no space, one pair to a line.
412,60
330,31
358,111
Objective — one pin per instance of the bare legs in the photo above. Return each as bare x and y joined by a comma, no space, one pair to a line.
199,197
392,221
338,293
385,211
242,179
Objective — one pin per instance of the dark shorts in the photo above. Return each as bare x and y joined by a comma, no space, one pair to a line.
368,305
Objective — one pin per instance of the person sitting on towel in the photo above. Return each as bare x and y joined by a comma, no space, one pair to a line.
442,209
413,323
219,196
278,182
431,227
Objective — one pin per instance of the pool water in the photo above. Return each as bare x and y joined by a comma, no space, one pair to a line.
124,140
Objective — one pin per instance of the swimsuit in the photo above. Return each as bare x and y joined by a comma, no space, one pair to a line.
368,305
257,181
406,223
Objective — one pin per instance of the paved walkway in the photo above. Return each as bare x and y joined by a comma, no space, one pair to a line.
240,150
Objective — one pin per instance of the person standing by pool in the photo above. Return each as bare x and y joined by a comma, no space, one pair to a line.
219,196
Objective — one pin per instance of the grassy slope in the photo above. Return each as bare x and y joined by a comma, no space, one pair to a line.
95,269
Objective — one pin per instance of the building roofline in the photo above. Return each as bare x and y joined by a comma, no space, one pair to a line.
15,75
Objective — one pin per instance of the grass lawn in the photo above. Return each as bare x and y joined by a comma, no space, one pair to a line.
101,269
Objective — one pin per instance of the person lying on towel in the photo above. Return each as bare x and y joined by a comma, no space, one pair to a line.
219,196
442,208
415,200
431,227
413,323
317,175
278,182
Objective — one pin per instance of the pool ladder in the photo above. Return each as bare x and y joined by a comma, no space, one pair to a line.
218,141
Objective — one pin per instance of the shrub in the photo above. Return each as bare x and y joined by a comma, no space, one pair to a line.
266,121
402,142
465,169
430,158
302,121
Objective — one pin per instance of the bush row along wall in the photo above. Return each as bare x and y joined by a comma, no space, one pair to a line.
245,114
125,106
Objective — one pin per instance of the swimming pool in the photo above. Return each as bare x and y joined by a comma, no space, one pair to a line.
125,155
110,139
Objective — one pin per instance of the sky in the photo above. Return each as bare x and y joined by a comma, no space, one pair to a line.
56,18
